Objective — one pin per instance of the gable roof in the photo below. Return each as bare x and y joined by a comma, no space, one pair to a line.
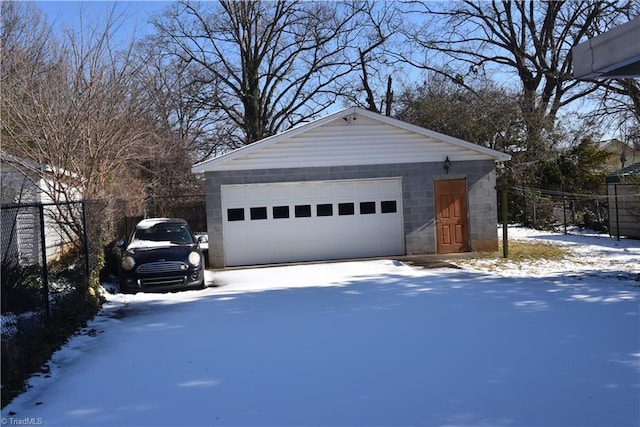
352,136
617,146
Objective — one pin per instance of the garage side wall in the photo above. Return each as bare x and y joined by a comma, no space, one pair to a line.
483,209
418,198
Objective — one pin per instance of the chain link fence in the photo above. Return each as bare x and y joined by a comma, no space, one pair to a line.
51,249
51,256
45,254
549,209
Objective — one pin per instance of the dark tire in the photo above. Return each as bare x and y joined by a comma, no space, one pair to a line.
124,289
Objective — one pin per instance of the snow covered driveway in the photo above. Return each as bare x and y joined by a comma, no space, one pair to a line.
354,343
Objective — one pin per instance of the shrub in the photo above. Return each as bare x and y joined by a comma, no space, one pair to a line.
21,287
27,352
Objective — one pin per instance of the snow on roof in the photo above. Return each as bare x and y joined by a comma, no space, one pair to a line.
151,222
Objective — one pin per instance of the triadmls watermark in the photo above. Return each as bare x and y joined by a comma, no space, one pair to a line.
22,421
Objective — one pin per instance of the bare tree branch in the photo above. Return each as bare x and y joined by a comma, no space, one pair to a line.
274,64
530,41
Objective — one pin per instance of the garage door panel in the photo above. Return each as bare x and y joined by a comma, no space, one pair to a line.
386,188
343,192
260,234
240,233
254,194
322,192
297,193
367,190
279,193
234,198
370,229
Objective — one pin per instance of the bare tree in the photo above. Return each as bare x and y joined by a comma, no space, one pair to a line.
75,111
616,107
379,23
178,100
265,65
527,41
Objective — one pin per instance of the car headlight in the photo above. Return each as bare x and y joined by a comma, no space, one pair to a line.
128,263
194,258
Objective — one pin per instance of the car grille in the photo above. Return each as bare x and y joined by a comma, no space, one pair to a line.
162,267
164,281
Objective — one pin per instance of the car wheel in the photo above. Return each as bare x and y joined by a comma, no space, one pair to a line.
124,289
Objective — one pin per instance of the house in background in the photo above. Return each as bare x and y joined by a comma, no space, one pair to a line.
352,184
27,184
622,155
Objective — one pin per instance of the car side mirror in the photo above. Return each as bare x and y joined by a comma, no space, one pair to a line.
120,243
203,239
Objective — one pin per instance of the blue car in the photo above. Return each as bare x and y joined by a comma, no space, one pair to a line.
162,254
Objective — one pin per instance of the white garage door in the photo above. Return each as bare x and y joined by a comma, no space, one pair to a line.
306,221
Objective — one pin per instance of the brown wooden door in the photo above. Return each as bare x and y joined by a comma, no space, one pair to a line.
452,228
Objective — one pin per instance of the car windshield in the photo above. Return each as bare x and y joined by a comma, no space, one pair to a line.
171,233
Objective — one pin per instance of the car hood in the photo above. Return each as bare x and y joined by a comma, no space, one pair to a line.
166,251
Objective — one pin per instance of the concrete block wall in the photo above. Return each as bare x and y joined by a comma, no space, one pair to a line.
483,209
418,198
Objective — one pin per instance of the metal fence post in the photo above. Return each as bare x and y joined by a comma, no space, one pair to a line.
564,213
45,269
85,243
524,195
615,195
505,225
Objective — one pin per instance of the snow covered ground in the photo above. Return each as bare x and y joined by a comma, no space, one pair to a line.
364,343
590,254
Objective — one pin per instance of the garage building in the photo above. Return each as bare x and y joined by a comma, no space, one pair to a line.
352,184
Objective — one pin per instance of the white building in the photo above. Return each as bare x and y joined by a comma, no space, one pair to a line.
26,183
